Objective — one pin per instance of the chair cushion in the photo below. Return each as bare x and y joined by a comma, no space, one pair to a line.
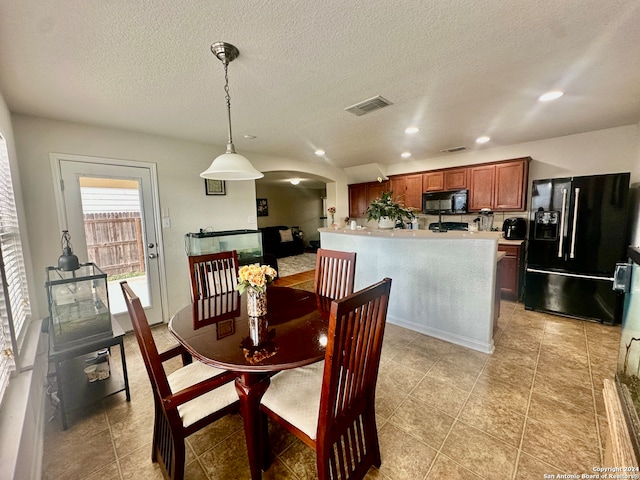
295,396
203,405
286,235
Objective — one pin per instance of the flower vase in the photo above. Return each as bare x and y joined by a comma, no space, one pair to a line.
258,330
256,302
333,220
386,223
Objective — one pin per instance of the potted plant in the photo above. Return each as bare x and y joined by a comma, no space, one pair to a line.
386,212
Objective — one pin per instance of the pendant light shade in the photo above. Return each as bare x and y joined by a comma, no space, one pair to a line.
230,165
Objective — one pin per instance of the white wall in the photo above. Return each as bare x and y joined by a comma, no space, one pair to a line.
181,190
22,412
604,151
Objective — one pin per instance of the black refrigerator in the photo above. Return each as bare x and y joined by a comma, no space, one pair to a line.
577,234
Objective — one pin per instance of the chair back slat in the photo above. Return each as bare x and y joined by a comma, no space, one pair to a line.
147,344
213,274
352,359
335,273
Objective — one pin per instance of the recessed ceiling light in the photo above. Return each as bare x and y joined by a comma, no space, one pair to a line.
319,152
411,130
405,154
295,181
483,139
553,95
249,137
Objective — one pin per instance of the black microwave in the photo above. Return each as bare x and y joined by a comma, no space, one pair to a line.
449,202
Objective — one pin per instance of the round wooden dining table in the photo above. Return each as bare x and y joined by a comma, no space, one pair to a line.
218,332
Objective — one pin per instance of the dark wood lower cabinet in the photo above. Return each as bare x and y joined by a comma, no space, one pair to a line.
510,271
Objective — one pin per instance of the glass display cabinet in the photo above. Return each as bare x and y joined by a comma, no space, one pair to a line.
78,305
248,244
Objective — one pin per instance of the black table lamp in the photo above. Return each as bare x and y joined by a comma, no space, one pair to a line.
68,261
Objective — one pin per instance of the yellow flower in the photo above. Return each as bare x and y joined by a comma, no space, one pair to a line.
255,276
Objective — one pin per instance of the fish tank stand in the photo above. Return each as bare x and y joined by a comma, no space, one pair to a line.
74,388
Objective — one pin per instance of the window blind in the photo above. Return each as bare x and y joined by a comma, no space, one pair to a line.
15,311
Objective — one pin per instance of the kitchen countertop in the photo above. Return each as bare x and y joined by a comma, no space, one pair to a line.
424,234
406,233
504,241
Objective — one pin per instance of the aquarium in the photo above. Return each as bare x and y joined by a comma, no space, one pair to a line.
628,371
78,305
248,244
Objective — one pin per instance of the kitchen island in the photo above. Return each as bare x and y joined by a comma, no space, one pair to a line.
444,284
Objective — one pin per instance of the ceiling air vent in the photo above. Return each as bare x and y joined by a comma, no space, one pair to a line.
454,149
368,106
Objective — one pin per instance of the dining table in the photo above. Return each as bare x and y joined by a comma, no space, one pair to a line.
217,331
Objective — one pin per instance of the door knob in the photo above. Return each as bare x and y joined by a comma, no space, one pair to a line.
152,255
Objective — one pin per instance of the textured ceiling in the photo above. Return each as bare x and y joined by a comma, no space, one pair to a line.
456,69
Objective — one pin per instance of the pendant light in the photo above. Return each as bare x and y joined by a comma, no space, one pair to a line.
230,165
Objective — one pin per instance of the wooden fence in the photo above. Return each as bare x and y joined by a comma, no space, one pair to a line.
114,241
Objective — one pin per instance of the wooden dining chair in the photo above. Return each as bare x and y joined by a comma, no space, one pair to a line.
330,405
335,273
213,273
185,401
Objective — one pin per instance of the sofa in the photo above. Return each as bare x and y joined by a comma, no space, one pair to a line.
281,241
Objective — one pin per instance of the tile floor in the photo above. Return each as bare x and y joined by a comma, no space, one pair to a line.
534,407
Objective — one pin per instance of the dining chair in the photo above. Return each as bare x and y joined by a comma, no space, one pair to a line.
185,401
213,273
335,273
330,405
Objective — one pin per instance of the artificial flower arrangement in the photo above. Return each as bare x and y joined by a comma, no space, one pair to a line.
332,212
255,276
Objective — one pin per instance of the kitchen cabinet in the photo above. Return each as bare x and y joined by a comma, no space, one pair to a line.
510,186
456,178
499,186
361,195
375,189
510,270
357,200
408,190
433,181
481,186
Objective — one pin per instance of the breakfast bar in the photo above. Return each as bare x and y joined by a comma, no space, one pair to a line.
444,284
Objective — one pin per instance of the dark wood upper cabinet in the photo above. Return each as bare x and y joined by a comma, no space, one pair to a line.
413,193
357,200
361,195
481,186
500,186
511,185
407,189
456,179
433,181
375,189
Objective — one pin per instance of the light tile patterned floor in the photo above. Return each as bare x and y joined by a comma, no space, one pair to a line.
534,407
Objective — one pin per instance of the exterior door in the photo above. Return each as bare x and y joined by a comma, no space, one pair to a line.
109,212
